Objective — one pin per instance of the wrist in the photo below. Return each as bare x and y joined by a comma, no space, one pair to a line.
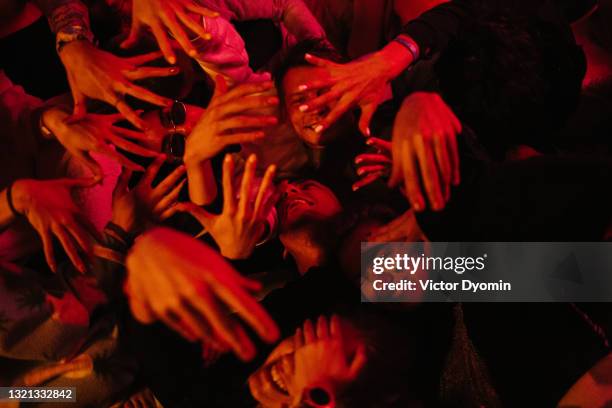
395,58
52,121
19,196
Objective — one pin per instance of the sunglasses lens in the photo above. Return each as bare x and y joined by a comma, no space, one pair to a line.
178,113
319,397
174,147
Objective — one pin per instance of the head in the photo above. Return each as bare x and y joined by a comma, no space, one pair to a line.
513,81
308,212
307,375
296,71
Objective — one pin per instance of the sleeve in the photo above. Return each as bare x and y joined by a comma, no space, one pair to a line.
68,19
433,29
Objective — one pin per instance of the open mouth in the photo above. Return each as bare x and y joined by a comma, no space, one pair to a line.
276,379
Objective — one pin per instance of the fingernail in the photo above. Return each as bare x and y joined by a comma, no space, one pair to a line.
369,142
355,188
368,132
418,206
358,160
307,56
207,37
272,101
272,120
303,108
318,128
302,87
193,53
174,70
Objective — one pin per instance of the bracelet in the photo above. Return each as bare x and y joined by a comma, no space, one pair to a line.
9,200
409,45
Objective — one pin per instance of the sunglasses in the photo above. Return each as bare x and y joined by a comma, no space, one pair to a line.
173,143
318,397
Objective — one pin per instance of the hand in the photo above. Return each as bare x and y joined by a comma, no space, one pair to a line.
322,357
50,209
226,122
404,228
424,143
190,287
133,207
95,133
164,15
97,74
358,83
240,225
372,166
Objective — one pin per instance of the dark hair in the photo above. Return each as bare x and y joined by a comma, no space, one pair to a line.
513,81
296,57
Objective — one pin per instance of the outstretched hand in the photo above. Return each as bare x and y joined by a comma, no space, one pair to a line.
96,74
175,278
163,16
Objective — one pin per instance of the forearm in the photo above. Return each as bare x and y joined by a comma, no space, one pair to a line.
7,216
202,185
63,14
433,30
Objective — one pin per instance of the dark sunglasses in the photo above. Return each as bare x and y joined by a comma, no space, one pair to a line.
173,144
318,397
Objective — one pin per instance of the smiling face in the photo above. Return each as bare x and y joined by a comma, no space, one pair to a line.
291,372
305,123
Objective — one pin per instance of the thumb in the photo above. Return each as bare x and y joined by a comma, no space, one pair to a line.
132,38
220,86
80,109
122,181
367,111
203,216
358,362
79,182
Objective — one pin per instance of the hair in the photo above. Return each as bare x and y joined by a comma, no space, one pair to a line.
296,57
514,81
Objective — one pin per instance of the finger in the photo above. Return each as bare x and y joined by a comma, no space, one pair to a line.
164,43
90,163
171,198
78,99
177,31
152,170
247,348
191,24
240,138
320,62
454,157
246,103
372,158
203,216
47,242
309,331
221,87
298,339
323,100
242,90
242,121
192,6
358,362
382,145
69,247
367,111
229,199
78,182
143,94
132,38
376,168
249,284
150,72
322,328
80,236
412,181
128,133
429,174
343,105
369,179
130,147
246,189
316,84
141,311
144,58
264,190
122,182
249,310
170,181
129,114
443,161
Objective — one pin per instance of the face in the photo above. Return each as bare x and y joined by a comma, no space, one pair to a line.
158,130
294,372
305,123
306,202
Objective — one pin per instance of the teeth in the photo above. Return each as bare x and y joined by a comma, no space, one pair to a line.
276,377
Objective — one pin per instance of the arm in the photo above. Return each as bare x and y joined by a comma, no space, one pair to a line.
367,30
202,185
68,19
